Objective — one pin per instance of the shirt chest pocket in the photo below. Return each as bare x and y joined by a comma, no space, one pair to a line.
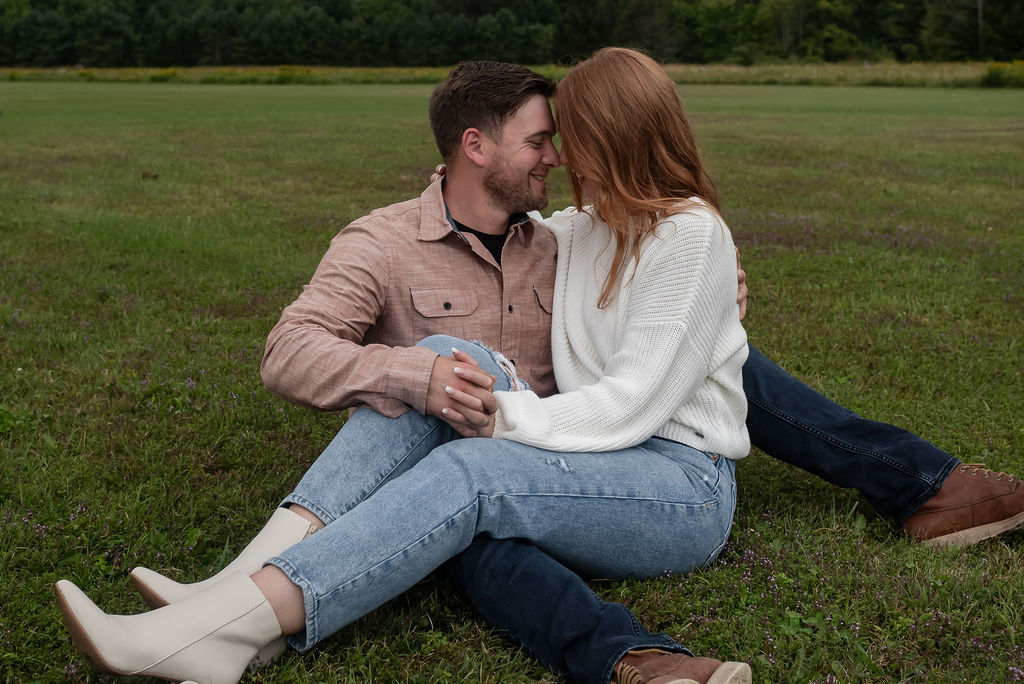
441,303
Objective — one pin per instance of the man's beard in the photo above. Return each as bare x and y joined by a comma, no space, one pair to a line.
509,193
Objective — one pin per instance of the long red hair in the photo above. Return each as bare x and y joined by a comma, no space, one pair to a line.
624,128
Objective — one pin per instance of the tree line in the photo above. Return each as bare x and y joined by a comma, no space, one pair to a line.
163,33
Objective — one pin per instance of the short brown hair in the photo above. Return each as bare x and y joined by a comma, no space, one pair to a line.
481,94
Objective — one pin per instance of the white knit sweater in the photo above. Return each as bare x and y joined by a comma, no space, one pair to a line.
663,358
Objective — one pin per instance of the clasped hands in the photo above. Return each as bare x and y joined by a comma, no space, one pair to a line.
462,395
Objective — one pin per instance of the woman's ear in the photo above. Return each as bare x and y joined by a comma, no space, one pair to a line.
473,146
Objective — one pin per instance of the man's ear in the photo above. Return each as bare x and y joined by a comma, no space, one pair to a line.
473,146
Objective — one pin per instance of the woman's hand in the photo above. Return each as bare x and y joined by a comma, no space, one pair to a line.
473,414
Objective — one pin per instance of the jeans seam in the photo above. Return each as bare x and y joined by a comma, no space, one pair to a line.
713,503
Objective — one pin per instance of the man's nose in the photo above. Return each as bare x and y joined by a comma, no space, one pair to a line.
552,157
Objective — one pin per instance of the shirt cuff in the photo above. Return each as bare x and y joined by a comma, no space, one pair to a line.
409,375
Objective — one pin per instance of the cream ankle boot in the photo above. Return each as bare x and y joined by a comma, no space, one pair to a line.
282,531
208,638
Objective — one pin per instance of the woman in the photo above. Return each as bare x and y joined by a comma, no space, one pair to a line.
648,351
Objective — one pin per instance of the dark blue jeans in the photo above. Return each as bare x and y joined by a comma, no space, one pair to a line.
554,614
895,470
545,607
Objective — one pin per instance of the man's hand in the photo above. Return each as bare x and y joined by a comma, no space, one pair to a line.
460,394
742,291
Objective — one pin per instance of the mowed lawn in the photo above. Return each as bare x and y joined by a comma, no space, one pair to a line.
150,235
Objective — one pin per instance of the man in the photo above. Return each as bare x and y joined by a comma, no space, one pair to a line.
463,260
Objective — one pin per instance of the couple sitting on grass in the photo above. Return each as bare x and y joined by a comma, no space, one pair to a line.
511,462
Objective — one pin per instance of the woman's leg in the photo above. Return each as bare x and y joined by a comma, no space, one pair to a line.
369,450
372,449
658,507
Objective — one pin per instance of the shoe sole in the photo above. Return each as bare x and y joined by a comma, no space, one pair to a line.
974,535
79,637
152,599
727,673
81,640
731,673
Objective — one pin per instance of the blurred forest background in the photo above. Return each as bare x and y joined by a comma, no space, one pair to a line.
163,33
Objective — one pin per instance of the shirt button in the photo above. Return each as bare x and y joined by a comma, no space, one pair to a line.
447,306
510,308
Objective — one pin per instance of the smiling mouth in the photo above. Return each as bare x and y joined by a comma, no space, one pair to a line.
542,179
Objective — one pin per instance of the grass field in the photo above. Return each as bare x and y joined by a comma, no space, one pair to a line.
150,235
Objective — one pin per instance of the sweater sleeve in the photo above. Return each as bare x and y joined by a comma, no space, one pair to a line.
681,294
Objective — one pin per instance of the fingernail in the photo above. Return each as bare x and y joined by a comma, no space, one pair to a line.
449,389
458,370
444,411
455,350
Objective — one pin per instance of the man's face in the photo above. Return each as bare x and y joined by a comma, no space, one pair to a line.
516,177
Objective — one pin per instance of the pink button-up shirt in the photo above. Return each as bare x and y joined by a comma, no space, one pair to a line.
396,276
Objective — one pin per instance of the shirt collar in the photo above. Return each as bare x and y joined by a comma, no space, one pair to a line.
436,220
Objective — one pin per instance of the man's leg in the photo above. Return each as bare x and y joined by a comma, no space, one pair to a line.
895,470
549,610
937,500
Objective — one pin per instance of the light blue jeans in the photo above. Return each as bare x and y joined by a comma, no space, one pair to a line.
657,507
371,449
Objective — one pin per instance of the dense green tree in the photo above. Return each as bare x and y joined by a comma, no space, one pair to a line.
10,12
877,26
648,24
829,31
105,36
950,29
582,26
430,32
41,38
1004,29
784,23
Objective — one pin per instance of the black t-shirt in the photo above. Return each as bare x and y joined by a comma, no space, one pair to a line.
492,243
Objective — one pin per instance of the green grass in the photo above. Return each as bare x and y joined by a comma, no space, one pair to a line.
150,235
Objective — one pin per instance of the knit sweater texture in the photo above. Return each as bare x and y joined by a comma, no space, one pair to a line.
664,358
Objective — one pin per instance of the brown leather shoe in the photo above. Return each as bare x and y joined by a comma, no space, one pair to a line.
652,666
973,504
